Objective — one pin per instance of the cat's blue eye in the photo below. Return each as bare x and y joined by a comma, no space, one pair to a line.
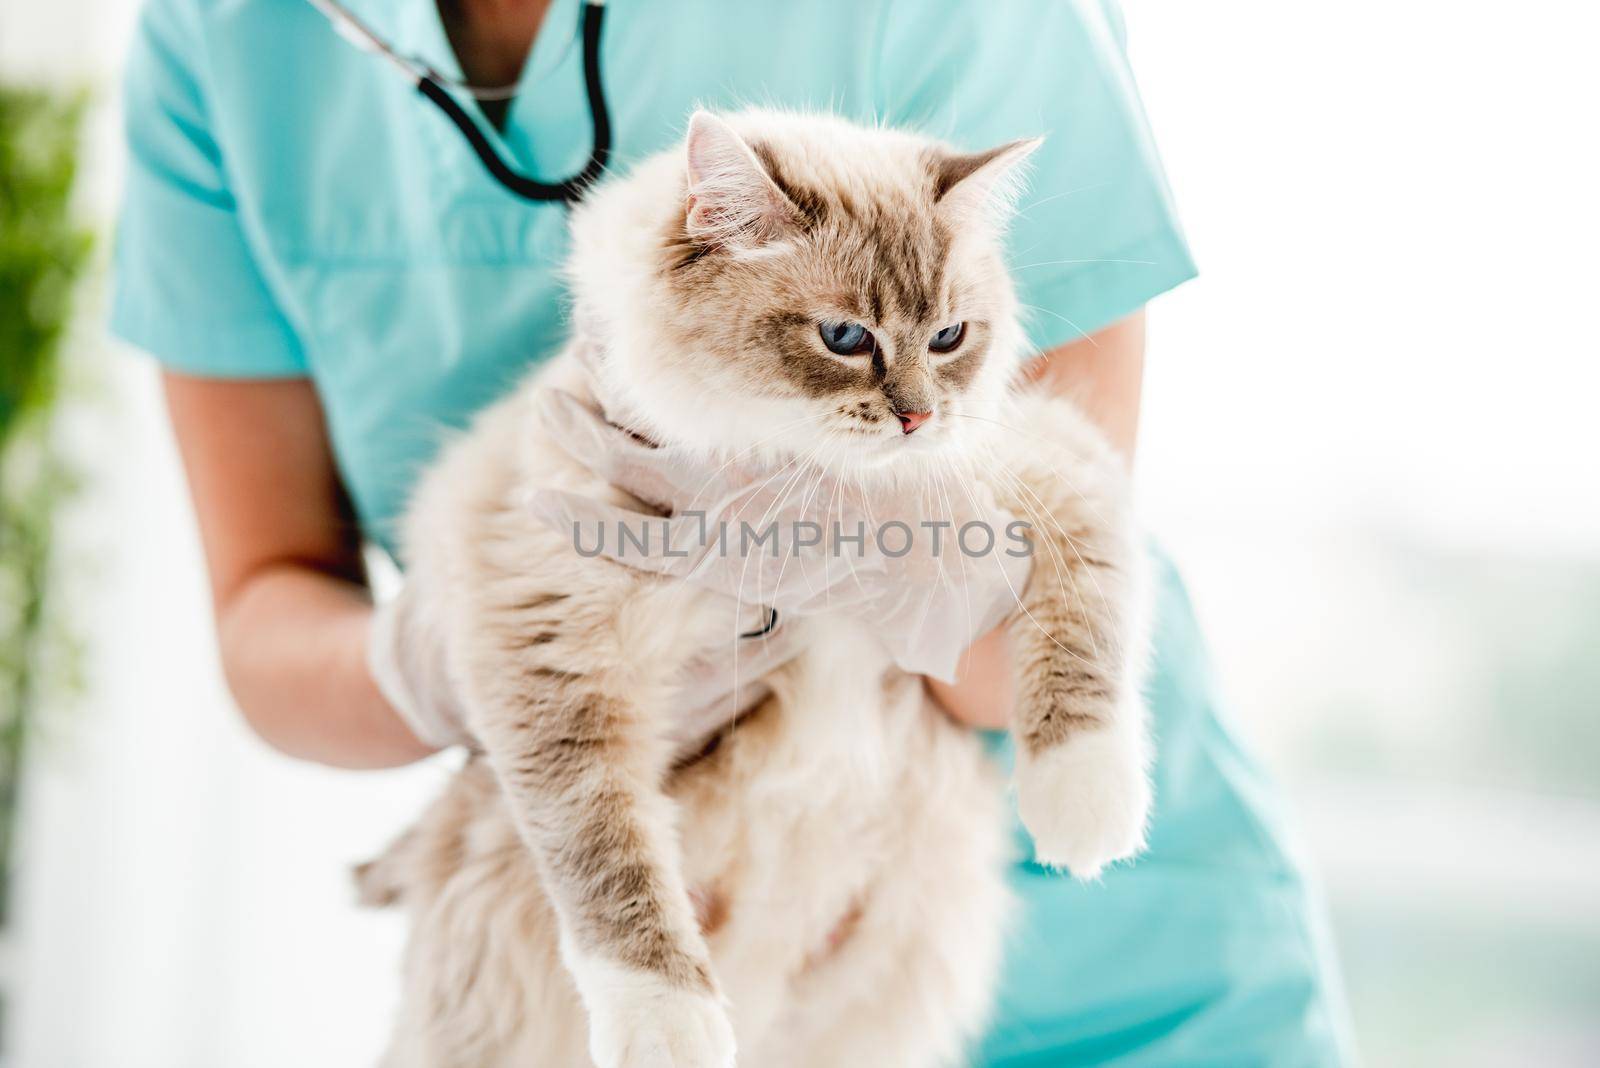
847,339
948,338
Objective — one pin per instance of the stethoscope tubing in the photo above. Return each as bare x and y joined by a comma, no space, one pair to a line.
433,87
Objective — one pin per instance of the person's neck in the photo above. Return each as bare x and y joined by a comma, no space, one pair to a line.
491,40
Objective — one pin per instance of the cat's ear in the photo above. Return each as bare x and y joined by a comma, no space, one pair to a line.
981,186
733,202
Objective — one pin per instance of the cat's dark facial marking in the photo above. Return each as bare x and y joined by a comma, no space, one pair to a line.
859,289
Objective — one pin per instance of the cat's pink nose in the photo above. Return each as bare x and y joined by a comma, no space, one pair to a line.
909,421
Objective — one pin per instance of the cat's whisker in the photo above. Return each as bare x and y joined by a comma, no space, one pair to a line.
817,483
928,597
1062,263
801,469
738,636
853,475
1055,553
836,507
805,465
1061,477
1017,596
936,482
1020,484
744,570
1057,561
1071,542
784,428
1036,513
805,507
1084,334
1022,213
1065,481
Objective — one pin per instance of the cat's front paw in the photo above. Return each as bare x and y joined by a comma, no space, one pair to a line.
640,1021
1085,800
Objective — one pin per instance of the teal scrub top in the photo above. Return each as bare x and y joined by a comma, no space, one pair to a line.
294,209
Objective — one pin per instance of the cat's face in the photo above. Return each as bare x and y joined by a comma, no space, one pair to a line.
829,292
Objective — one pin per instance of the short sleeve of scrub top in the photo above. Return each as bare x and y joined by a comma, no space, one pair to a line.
190,288
1095,236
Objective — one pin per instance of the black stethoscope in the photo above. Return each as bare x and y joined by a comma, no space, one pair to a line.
436,87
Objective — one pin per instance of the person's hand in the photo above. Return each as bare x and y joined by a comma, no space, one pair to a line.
930,569
407,659
727,679
406,655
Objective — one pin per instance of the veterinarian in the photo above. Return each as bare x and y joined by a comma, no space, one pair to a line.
329,274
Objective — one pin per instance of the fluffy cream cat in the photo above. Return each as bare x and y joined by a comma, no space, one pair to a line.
823,885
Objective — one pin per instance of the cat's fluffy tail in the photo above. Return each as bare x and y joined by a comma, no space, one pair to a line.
380,882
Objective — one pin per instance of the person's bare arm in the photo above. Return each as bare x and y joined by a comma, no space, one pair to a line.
288,588
1104,373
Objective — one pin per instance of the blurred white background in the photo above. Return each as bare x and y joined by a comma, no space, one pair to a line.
1370,439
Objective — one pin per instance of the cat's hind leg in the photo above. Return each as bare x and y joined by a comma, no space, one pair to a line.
483,983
